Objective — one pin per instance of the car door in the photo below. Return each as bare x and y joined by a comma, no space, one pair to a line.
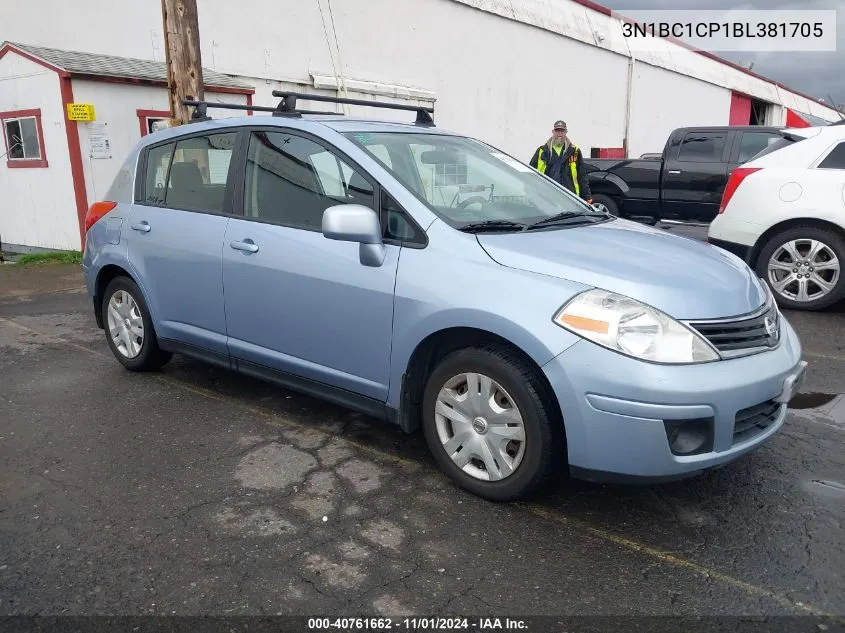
297,302
178,223
695,175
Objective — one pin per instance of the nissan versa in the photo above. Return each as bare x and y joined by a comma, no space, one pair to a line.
427,278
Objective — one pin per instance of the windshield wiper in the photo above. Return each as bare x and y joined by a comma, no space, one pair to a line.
492,225
561,218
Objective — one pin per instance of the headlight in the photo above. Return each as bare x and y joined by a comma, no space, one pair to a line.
634,329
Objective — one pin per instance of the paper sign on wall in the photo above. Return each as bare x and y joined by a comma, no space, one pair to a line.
98,140
81,112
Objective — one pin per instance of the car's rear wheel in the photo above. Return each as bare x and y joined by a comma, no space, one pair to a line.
488,423
803,267
129,328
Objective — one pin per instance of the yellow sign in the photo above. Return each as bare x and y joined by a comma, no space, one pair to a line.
80,112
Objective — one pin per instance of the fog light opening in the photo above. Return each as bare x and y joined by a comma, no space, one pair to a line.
690,437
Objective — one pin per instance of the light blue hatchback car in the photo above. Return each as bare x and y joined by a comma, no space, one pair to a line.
429,279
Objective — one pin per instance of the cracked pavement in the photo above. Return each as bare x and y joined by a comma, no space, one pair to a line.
198,491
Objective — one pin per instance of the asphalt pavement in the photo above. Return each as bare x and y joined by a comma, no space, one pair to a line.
198,491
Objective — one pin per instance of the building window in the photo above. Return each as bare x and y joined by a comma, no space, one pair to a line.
24,139
152,120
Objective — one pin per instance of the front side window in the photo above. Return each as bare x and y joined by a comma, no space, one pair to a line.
292,180
23,139
465,181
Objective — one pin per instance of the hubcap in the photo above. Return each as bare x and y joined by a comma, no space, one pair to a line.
804,270
480,427
126,326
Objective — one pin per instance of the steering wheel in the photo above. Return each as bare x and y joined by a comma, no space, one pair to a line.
472,200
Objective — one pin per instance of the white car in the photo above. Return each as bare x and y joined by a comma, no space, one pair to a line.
783,212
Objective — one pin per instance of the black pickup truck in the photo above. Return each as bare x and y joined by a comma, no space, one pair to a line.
683,183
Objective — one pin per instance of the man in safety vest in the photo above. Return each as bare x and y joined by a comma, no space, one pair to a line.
562,161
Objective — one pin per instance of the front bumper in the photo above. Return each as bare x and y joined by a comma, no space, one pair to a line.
617,409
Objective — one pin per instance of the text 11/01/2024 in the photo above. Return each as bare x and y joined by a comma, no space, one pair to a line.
417,624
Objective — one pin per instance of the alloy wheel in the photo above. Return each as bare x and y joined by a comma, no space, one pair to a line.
803,270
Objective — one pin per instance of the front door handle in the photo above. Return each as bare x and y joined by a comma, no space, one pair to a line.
143,226
675,172
246,245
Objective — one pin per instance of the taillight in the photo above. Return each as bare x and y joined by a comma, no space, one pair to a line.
737,176
97,211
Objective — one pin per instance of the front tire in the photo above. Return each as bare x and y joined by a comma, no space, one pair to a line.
803,267
489,424
607,203
129,327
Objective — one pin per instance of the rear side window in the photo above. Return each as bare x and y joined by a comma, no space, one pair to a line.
199,173
291,180
702,147
778,144
752,143
836,158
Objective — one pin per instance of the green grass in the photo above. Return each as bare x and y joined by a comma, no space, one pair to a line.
58,257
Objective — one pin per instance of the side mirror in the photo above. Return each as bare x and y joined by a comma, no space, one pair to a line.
356,223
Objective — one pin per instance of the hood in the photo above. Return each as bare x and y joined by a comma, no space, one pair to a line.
684,278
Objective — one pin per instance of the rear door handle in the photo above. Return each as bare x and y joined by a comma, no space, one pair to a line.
246,245
143,226
675,171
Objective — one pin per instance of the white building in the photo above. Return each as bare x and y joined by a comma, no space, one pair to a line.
499,69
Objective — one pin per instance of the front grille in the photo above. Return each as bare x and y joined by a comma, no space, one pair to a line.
733,337
754,420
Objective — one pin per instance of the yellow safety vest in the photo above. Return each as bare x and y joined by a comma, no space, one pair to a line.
542,165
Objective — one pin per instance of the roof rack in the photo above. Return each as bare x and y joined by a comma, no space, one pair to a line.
201,108
287,106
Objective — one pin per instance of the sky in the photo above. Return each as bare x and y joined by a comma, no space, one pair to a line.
816,74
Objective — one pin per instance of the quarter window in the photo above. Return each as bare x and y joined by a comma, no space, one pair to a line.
836,158
291,180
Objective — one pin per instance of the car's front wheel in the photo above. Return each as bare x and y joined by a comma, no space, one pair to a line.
489,424
129,327
803,267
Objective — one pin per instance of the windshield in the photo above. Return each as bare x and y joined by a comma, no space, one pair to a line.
466,182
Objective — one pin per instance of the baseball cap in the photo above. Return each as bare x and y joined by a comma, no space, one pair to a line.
560,125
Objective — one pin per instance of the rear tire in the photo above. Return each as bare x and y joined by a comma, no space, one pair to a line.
501,445
129,327
815,253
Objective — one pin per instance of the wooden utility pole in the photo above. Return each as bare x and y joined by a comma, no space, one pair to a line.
182,52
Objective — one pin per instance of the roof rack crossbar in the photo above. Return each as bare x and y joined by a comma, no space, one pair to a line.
200,108
288,105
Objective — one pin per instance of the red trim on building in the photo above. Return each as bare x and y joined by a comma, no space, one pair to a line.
9,47
740,112
793,119
25,163
143,114
249,103
77,170
611,152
